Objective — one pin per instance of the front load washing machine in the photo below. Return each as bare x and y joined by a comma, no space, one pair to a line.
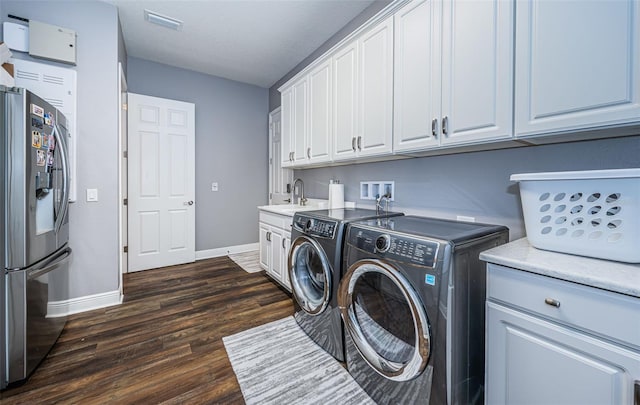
314,266
412,301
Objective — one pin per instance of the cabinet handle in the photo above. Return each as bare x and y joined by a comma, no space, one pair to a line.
353,143
309,153
636,393
268,236
293,156
445,126
552,302
434,127
283,241
359,143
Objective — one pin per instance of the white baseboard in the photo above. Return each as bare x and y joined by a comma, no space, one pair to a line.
223,251
83,304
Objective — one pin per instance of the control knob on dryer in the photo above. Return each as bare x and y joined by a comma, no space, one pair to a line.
310,224
382,243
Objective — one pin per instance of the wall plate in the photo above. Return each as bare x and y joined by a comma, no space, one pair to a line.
370,190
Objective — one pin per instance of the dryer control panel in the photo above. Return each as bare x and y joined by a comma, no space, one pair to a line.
315,227
391,246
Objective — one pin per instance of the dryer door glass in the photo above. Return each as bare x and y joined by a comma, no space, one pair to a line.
385,319
310,275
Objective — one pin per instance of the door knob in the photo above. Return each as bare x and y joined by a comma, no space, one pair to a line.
188,203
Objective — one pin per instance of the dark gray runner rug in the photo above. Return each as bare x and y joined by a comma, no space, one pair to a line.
278,363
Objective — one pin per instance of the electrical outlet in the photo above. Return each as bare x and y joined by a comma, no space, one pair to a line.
92,194
214,186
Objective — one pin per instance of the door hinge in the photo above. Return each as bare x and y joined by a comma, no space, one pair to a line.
125,249
125,201
125,106
125,154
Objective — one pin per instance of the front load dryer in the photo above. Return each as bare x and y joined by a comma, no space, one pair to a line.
412,301
314,266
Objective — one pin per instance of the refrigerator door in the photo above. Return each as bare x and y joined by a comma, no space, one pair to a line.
36,312
37,186
3,174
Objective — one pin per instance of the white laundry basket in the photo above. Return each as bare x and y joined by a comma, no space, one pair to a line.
592,213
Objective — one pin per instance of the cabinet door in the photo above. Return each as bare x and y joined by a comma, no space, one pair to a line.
532,361
577,65
276,254
286,243
265,246
416,72
477,71
345,94
376,90
300,102
286,144
319,139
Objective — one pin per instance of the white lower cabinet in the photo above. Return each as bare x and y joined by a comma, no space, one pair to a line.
274,240
556,342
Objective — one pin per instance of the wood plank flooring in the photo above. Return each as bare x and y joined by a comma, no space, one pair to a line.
163,344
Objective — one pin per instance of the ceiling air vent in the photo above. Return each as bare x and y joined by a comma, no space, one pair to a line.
162,20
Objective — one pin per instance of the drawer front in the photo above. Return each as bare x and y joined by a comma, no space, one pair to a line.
603,313
279,221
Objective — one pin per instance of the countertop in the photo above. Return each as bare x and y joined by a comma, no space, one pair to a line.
618,277
291,209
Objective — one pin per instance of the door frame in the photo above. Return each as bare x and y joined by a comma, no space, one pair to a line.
122,174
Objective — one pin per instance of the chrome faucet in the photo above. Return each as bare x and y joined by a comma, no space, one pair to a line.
301,200
386,197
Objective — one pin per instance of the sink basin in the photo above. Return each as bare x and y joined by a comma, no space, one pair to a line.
290,209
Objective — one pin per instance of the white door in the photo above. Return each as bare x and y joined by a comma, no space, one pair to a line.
161,182
477,70
318,146
376,90
279,178
577,65
300,94
416,108
286,154
345,94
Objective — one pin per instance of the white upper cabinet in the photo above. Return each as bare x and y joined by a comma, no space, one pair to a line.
363,94
416,76
345,94
477,71
287,141
577,65
453,73
319,136
300,121
376,90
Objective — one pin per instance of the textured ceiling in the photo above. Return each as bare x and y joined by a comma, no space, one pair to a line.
251,41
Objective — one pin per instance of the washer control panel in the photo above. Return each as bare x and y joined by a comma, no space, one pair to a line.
315,227
395,247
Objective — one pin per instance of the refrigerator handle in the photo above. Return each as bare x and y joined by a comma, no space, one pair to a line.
65,177
51,264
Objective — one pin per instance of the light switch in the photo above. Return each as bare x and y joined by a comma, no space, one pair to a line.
92,194
214,186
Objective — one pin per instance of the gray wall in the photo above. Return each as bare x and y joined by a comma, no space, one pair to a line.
377,5
473,184
93,226
231,147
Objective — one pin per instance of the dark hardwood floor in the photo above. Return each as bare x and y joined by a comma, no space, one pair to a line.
162,345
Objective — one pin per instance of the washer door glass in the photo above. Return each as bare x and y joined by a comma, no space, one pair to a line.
386,319
310,275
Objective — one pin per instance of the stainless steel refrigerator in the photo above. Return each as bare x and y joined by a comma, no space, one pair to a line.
34,206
